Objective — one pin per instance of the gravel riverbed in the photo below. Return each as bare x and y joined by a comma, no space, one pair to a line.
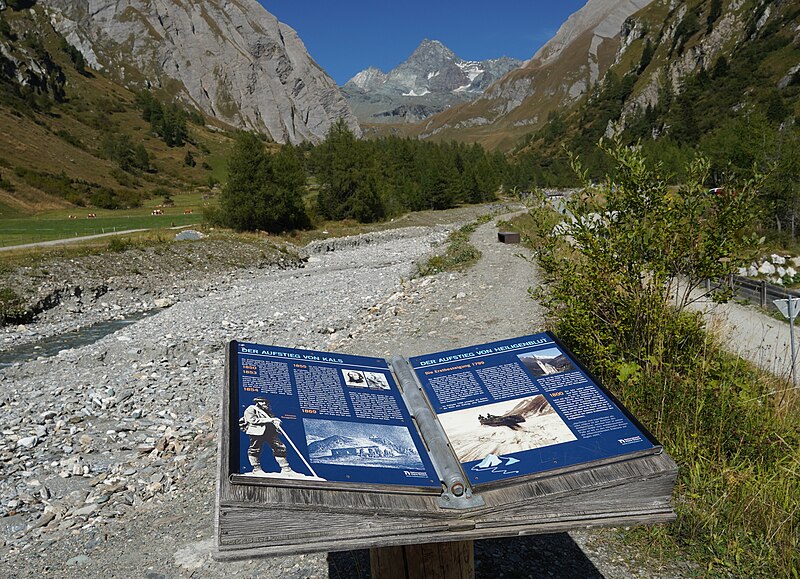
109,450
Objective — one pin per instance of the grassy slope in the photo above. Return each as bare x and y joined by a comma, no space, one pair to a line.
67,140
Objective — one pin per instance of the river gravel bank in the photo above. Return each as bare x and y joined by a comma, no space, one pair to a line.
109,453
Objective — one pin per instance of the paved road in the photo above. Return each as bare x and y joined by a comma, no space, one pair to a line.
68,240
753,335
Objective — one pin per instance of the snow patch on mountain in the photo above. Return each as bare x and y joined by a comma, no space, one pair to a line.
431,80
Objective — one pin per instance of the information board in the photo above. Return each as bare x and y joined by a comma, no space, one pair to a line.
319,417
524,406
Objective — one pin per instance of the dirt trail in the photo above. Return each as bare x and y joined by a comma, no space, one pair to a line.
452,310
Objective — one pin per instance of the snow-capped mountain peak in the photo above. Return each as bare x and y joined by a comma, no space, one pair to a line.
432,79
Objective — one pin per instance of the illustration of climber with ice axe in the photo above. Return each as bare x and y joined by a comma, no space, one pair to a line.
262,427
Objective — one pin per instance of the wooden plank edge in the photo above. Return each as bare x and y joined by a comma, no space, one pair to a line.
233,553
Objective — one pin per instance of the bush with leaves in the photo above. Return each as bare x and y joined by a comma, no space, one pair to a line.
638,250
621,272
119,148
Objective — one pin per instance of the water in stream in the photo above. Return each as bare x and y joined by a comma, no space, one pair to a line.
51,346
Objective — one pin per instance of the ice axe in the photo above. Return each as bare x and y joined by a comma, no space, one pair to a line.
292,444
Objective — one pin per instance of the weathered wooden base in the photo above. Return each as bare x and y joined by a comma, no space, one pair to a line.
452,560
258,521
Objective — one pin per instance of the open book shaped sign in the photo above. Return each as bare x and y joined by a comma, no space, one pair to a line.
452,422
324,451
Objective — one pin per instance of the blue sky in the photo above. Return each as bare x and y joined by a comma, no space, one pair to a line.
347,37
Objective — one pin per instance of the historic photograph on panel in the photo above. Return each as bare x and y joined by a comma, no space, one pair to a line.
358,444
544,362
504,427
376,380
354,378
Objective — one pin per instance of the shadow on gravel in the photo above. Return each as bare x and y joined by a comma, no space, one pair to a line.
556,556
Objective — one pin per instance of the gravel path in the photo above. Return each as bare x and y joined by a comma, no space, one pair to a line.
108,451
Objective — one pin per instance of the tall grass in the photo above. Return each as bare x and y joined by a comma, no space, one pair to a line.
738,496
459,254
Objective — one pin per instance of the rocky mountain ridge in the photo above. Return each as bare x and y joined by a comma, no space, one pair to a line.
432,79
653,50
557,75
680,47
232,60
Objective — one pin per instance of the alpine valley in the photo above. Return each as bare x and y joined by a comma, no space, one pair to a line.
365,217
639,68
71,71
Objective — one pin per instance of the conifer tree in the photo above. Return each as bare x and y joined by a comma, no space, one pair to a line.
345,167
263,192
240,204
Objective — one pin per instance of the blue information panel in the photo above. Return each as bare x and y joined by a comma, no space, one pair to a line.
524,406
319,417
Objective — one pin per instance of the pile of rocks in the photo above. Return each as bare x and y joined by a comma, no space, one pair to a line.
99,441
81,449
777,269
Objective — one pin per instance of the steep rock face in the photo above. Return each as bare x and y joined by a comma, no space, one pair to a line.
587,38
432,79
678,55
368,79
23,68
558,74
231,58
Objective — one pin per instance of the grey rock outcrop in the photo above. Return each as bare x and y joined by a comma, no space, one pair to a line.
431,80
599,21
558,74
733,28
231,59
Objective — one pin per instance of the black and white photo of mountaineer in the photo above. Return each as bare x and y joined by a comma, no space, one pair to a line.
546,362
358,444
504,428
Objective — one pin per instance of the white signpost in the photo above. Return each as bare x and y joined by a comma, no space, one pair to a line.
790,307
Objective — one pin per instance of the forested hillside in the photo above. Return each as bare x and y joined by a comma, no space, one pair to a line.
70,137
704,77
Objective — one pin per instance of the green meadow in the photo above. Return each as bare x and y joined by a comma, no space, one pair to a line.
57,224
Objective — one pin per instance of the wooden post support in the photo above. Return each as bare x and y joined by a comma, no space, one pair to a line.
454,560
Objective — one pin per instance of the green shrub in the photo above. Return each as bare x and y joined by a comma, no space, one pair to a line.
619,284
459,255
119,244
70,138
11,304
6,184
